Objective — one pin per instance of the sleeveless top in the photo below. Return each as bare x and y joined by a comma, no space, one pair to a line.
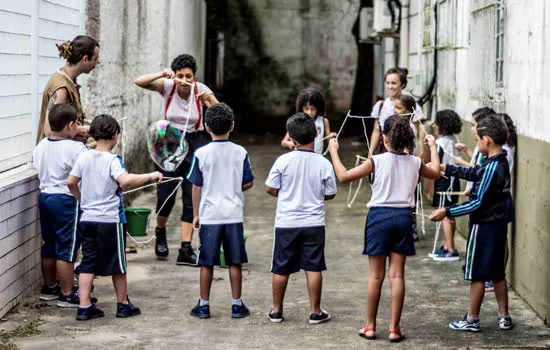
57,81
320,126
394,178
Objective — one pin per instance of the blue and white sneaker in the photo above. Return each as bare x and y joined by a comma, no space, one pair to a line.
437,252
447,255
200,311
489,287
464,325
239,311
505,323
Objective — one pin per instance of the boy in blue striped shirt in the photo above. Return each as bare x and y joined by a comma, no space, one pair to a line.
491,209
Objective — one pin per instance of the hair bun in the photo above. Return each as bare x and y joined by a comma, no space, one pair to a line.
65,50
404,70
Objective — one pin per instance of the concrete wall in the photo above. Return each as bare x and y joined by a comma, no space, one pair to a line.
313,42
467,80
20,239
138,37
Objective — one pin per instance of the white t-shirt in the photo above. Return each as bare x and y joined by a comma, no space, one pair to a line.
319,144
394,178
388,110
446,149
221,168
303,179
179,108
99,189
54,160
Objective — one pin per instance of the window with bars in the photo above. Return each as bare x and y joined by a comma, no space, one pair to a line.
499,70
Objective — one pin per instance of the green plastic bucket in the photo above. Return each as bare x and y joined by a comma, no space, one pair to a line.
137,219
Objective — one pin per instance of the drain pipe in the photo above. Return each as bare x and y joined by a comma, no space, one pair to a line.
404,34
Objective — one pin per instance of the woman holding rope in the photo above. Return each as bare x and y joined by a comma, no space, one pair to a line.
177,87
396,81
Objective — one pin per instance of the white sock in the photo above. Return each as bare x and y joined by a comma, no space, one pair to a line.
203,302
237,302
85,307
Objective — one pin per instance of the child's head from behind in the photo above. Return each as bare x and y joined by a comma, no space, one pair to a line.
447,122
512,133
105,127
398,134
310,102
219,119
479,114
63,120
491,131
301,129
405,104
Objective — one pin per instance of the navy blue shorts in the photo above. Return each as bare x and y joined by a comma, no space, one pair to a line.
103,245
444,185
232,238
485,252
296,249
389,230
59,224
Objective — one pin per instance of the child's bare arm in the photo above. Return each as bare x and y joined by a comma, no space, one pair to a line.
196,195
431,170
328,134
72,183
340,170
462,162
272,191
248,185
131,180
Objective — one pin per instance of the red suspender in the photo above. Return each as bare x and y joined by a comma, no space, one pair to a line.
170,97
198,102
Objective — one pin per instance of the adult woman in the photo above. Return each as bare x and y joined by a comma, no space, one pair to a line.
175,87
82,55
396,81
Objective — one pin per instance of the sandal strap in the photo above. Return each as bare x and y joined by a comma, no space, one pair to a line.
368,329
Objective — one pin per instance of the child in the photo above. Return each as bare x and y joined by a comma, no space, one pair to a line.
99,173
405,106
491,209
220,173
301,180
447,125
388,230
54,158
312,103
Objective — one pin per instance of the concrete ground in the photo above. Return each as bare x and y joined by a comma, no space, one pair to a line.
165,292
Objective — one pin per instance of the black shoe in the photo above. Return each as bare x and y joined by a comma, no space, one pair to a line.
127,310
319,318
89,313
50,293
161,246
187,256
239,311
275,317
72,300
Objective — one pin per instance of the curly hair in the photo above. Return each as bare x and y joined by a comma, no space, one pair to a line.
512,133
408,102
494,127
104,127
219,118
301,128
79,47
399,132
311,97
448,122
401,72
184,61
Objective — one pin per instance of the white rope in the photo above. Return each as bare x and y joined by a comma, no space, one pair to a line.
153,184
438,226
420,205
150,239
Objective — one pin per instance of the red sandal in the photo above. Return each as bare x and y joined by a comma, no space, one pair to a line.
396,340
364,330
